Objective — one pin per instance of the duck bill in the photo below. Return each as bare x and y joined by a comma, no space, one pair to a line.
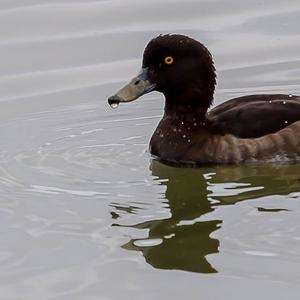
137,87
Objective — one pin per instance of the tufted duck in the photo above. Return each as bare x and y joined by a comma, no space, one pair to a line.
244,129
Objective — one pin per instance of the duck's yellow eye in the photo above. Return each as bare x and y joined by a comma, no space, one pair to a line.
169,60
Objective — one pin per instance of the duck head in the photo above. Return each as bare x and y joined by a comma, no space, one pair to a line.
179,67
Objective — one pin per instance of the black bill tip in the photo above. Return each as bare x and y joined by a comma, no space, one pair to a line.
114,101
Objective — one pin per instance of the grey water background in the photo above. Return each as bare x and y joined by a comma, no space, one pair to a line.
84,211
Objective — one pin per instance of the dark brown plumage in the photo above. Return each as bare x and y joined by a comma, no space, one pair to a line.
250,128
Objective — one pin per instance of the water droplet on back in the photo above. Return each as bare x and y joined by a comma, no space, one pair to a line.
290,95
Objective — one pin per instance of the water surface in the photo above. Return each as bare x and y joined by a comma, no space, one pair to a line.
85,213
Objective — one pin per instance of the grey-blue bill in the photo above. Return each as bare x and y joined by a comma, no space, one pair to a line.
137,87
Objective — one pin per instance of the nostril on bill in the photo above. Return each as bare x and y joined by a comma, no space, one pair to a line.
137,82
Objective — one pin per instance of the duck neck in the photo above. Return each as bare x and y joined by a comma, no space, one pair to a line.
186,109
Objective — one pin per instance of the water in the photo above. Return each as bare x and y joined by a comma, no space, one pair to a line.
114,105
84,211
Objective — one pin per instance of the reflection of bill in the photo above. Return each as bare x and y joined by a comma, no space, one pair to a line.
184,240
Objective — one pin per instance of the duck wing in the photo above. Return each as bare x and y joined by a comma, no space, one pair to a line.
254,116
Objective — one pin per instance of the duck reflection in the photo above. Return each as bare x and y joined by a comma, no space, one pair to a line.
185,238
